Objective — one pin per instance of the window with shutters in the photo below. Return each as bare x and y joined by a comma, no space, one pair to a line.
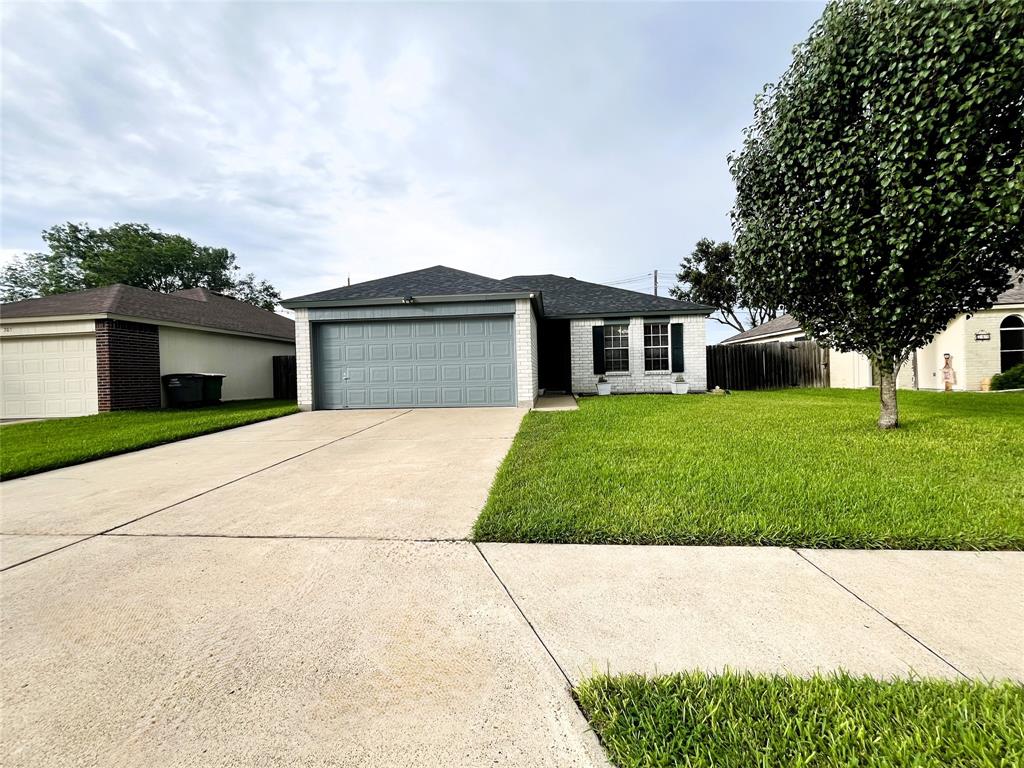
656,346
616,348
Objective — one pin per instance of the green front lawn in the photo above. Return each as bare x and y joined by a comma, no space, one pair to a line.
30,447
801,467
737,721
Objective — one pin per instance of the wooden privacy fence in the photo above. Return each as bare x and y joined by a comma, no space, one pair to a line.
284,377
773,365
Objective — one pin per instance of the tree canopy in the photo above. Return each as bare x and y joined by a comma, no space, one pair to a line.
879,187
80,256
708,276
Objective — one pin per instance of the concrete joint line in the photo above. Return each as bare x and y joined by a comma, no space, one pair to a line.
208,490
282,536
896,624
526,618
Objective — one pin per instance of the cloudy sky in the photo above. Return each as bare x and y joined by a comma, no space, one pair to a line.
320,141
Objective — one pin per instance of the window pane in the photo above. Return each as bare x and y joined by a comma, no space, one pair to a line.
1012,338
616,347
656,346
1010,359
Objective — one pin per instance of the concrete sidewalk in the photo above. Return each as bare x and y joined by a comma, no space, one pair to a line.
301,592
765,609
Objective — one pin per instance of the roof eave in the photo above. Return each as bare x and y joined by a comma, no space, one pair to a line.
147,321
310,303
630,313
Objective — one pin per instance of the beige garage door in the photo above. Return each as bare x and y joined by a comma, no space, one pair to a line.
45,376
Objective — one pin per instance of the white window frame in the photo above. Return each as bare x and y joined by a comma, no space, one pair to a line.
616,337
662,335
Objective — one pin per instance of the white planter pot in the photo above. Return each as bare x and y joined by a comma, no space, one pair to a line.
604,387
680,388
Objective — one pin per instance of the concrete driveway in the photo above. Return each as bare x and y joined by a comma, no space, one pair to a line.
301,592
296,592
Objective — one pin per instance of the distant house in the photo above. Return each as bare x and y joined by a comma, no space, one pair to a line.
981,345
441,337
104,349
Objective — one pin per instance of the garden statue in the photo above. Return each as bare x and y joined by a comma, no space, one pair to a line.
948,374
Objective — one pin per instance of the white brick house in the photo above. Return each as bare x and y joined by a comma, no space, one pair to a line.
440,337
980,346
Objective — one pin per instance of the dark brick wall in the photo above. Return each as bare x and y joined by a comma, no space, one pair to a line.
127,365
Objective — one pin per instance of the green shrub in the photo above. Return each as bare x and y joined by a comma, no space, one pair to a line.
1011,379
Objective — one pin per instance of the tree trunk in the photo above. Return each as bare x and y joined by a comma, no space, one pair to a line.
889,417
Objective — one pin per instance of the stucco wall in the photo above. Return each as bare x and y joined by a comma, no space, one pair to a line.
245,360
584,380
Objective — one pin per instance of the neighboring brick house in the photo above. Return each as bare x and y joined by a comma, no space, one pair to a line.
980,346
104,349
441,337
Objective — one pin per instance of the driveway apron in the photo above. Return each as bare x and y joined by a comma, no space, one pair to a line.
267,619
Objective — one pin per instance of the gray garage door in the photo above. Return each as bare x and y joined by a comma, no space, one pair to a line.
415,363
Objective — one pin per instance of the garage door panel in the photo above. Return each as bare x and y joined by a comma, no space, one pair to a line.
48,377
415,363
501,394
451,396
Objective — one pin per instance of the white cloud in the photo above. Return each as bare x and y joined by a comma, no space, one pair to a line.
322,140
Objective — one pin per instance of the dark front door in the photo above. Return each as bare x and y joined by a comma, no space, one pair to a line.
554,361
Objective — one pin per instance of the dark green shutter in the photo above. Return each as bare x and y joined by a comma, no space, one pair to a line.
677,347
598,349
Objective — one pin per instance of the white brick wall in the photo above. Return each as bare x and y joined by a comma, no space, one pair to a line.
526,354
584,380
303,360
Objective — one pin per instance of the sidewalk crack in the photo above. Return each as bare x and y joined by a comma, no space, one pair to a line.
526,618
895,623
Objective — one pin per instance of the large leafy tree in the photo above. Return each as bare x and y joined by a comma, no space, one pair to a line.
708,276
134,254
879,188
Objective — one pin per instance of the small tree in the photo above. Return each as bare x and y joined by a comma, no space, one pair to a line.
708,276
134,254
879,188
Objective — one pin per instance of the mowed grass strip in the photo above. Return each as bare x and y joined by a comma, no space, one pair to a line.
30,447
742,720
801,468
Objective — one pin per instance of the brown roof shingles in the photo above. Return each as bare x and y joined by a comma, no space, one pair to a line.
195,306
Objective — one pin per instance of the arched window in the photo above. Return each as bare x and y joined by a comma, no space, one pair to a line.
1011,342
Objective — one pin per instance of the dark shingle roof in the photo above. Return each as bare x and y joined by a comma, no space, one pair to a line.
432,281
567,297
779,324
560,296
1014,294
195,306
